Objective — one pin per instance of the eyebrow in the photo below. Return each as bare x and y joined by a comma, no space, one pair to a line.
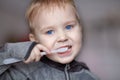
69,22
46,27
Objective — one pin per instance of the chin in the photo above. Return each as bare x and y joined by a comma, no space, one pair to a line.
66,60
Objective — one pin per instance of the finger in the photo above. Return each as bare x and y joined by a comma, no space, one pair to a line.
31,57
37,58
37,54
41,47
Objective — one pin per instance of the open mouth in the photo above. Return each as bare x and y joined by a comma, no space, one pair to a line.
65,51
61,50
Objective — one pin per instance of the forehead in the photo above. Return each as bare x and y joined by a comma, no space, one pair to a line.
55,15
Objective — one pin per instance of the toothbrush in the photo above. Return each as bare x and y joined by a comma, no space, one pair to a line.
55,51
13,60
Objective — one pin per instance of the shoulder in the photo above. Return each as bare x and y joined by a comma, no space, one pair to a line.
78,66
83,65
28,68
90,75
82,69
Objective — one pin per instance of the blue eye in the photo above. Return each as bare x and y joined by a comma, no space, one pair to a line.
50,32
68,27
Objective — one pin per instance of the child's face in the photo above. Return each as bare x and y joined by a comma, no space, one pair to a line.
59,28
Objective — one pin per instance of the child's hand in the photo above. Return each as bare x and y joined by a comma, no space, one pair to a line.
35,54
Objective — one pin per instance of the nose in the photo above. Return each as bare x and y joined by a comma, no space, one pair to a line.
62,37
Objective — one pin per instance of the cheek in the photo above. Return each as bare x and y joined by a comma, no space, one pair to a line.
47,41
76,36
79,37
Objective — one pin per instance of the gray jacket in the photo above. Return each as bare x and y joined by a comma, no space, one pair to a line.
12,67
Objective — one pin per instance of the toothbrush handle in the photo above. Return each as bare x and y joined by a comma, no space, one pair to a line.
43,53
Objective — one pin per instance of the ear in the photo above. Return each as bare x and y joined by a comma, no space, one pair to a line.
32,37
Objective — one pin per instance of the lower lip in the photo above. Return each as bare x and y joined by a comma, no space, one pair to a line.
64,54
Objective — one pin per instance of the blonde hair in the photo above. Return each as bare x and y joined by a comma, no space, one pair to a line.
39,5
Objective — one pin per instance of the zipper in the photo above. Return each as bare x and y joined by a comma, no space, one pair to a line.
67,76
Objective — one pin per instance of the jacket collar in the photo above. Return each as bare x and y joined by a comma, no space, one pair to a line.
74,66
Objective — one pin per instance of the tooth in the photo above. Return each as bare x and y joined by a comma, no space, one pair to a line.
60,50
